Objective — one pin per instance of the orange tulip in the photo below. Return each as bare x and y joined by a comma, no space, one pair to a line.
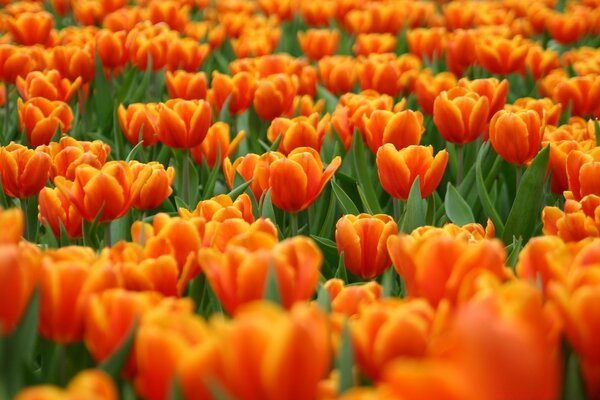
169,12
516,136
183,123
144,46
540,106
540,62
68,153
49,85
495,91
374,43
186,54
109,317
14,62
239,275
237,232
274,96
434,278
582,170
137,120
501,56
338,73
350,299
460,51
186,85
74,62
567,28
20,269
363,239
581,93
252,166
557,163
318,14
153,184
24,171
111,48
429,86
221,208
240,89
87,384
297,180
217,137
31,28
398,169
386,331
387,74
13,221
299,132
56,210
41,119
459,16
318,43
152,274
266,357
402,129
427,43
460,115
108,190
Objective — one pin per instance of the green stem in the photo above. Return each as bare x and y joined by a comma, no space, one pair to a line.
459,163
186,179
294,223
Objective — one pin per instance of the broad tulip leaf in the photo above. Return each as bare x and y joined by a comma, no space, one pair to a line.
323,299
457,209
272,292
345,360
484,196
574,387
345,201
525,210
416,209
341,269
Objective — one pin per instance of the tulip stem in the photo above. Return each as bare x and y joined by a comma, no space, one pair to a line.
185,189
459,163
294,223
519,175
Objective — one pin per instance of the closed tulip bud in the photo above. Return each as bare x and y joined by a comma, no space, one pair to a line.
56,210
318,43
460,115
363,240
387,74
416,261
398,169
460,51
111,48
217,140
296,263
582,172
297,180
516,136
459,16
338,73
318,14
31,28
153,184
402,129
567,28
557,163
143,48
186,54
73,62
350,299
581,94
383,332
299,132
374,43
274,95
41,119
429,86
24,171
139,121
14,62
186,85
183,123
107,191
20,270
252,166
427,43
495,91
68,153
49,85
502,56
239,89
110,316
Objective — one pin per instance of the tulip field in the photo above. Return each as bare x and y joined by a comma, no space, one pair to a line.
299,200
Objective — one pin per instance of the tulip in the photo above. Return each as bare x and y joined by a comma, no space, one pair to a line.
139,121
154,182
398,169
501,56
460,51
252,166
56,211
49,85
460,115
274,96
30,28
153,274
20,270
239,275
74,62
338,73
540,62
106,193
13,221
427,43
169,12
24,171
68,153
580,93
111,48
516,136
387,74
144,47
217,140
186,54
222,208
14,62
582,170
402,129
299,132
495,91
186,85
541,107
363,240
567,28
459,16
297,180
41,119
318,14
87,384
386,331
374,43
350,299
183,123
239,89
429,86
236,231
318,43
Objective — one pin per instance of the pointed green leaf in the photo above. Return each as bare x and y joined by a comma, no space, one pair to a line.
133,151
209,186
272,292
484,196
362,170
323,299
574,388
416,209
343,199
345,360
457,209
236,191
114,364
341,269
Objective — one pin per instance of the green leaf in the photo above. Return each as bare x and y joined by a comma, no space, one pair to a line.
327,223
323,299
341,273
574,388
114,364
388,282
345,360
267,210
209,186
416,209
180,203
457,209
597,128
330,252
330,100
515,249
236,191
138,94
343,199
361,171
484,196
276,143
272,292
133,151
224,115
175,389
525,210
103,100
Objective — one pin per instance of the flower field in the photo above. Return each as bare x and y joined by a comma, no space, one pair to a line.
285,199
